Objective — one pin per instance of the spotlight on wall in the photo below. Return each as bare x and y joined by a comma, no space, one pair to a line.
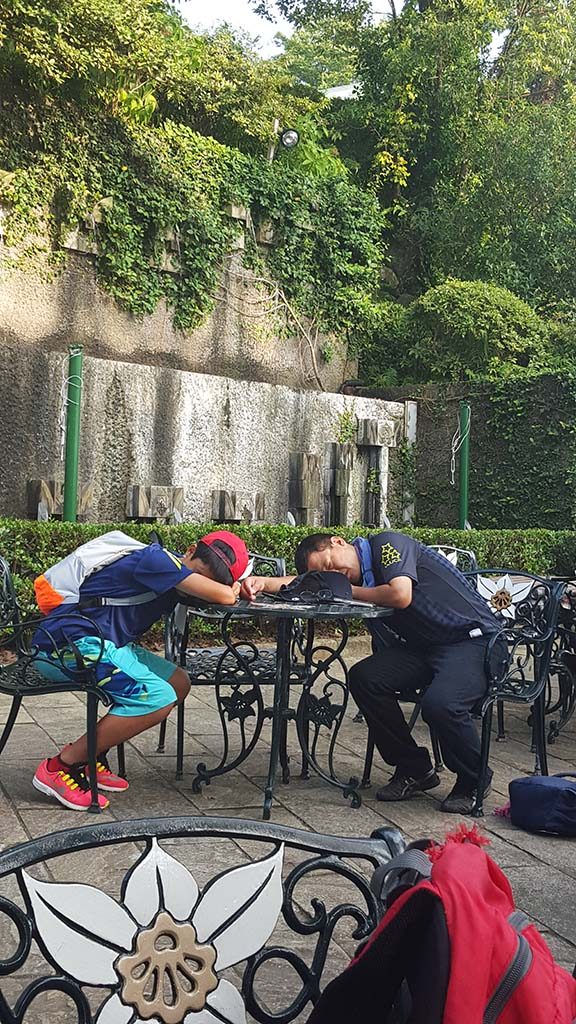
289,138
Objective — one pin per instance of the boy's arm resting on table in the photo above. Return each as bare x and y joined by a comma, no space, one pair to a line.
396,594
254,585
208,590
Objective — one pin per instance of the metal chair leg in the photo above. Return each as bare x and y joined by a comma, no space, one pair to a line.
437,751
539,711
501,735
10,721
91,723
179,740
305,726
414,716
121,755
161,738
369,758
478,809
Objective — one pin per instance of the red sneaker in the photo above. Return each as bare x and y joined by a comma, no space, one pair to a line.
71,788
107,780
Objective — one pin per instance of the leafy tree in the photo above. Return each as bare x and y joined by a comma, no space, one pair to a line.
70,47
302,12
125,123
469,143
235,96
465,329
321,54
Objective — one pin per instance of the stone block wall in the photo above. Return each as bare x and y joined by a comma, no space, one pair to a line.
152,425
239,339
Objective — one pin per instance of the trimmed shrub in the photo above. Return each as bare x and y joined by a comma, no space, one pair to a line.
463,329
30,547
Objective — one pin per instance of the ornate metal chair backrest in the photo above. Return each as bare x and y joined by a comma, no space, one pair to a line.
9,610
527,607
463,559
159,951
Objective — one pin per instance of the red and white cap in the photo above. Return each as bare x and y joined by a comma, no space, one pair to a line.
238,562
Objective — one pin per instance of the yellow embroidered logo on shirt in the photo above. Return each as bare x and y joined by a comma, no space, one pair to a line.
390,555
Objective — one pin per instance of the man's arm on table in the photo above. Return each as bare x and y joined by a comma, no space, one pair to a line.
396,594
254,585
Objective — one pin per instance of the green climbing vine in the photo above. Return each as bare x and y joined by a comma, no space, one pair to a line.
130,129
347,425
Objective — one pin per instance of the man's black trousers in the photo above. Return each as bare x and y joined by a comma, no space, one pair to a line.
455,681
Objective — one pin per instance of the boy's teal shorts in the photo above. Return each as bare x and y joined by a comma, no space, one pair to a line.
136,679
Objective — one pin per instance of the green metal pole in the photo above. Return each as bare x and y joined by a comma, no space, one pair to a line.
75,355
464,462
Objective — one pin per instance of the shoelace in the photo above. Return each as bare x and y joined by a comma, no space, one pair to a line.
103,765
74,778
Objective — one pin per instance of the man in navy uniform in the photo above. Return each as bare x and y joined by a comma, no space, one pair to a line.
442,628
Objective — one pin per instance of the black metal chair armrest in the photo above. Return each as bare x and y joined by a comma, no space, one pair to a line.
60,655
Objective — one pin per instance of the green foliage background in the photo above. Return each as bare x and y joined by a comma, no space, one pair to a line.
429,222
119,118
522,452
31,547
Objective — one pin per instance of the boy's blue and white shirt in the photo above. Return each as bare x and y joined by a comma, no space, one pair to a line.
151,569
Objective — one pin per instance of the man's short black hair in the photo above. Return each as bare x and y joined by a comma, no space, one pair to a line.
219,571
307,547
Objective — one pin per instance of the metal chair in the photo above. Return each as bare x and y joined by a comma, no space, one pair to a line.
463,559
20,678
563,665
518,655
201,663
517,660
159,951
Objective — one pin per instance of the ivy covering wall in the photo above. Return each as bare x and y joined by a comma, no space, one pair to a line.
522,452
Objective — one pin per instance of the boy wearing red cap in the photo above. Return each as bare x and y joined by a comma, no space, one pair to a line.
143,686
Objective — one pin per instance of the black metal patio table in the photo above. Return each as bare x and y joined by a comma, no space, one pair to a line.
298,659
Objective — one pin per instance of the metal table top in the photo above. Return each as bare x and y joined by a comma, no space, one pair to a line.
270,608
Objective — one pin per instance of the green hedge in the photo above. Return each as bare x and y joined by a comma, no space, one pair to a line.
30,547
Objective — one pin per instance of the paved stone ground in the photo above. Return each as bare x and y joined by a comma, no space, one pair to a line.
542,871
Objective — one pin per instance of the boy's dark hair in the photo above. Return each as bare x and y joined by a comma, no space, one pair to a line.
307,547
219,571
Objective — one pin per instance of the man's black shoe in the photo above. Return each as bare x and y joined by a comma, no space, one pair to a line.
402,787
461,798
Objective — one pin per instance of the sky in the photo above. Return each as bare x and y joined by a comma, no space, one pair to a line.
206,14
238,13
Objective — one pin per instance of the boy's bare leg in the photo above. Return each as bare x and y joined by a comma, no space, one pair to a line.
115,729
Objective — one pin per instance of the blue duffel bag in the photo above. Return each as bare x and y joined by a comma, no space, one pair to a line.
544,803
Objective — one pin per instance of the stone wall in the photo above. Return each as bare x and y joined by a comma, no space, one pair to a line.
145,425
240,339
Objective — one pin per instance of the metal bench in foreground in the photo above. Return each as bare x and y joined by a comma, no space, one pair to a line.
157,949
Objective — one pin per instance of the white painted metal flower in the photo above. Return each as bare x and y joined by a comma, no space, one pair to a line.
161,950
452,556
503,595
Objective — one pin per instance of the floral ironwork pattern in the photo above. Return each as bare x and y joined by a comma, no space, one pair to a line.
503,595
98,941
162,921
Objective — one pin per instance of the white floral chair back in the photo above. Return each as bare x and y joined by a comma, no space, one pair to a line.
505,593
159,952
462,558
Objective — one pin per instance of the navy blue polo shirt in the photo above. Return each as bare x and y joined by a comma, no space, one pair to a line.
150,569
445,607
